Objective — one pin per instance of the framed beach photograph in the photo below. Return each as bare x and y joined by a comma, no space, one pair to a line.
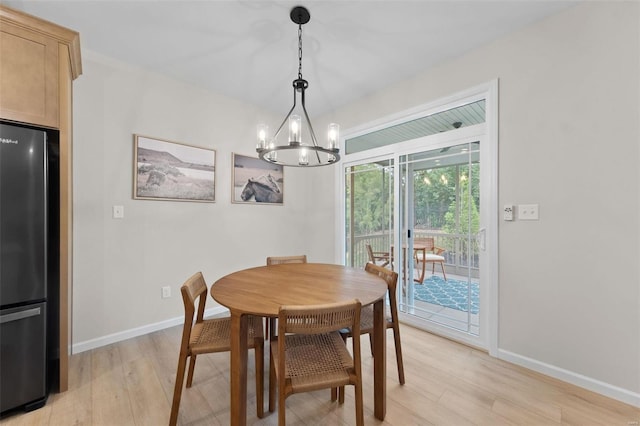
256,182
165,170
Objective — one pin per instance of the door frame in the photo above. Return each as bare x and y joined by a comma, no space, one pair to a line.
488,133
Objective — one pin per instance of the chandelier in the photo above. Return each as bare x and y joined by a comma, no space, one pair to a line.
298,153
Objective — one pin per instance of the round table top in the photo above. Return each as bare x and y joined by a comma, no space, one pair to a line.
262,290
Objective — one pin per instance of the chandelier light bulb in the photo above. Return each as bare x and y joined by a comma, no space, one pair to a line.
333,135
295,127
304,157
263,131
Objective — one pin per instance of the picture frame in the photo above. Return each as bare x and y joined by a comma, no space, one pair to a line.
256,181
173,171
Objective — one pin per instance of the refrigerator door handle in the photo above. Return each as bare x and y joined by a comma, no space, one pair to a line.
19,315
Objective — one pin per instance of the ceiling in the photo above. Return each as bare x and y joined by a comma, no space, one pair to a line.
247,49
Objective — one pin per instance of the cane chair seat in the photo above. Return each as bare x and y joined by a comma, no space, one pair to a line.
214,335
316,361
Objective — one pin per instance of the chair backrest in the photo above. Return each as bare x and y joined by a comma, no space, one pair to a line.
194,290
428,242
317,319
370,253
391,278
277,260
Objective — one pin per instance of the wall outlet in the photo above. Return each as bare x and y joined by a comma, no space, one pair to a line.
528,212
166,292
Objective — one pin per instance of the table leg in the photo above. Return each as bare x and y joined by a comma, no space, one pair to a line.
379,360
239,331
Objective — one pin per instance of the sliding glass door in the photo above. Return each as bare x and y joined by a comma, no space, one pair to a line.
420,197
418,212
440,226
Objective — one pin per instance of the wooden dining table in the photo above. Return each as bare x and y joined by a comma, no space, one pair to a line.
262,290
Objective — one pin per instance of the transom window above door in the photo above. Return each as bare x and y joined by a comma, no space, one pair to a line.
443,121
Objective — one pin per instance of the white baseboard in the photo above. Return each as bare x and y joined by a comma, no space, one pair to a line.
606,389
138,331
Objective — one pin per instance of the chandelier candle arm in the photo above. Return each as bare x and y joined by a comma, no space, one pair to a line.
296,153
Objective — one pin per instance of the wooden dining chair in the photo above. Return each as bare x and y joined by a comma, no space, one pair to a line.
208,336
432,254
270,323
309,353
366,318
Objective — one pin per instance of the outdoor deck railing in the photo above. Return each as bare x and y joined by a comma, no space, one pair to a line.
461,254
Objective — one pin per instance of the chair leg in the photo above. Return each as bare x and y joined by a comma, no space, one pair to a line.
444,274
282,421
337,393
272,385
177,390
420,279
396,338
272,328
192,366
259,354
341,393
359,404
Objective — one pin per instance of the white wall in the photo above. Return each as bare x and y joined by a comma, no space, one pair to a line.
569,141
569,132
120,265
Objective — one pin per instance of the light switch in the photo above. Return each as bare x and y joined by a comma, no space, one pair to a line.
118,212
528,212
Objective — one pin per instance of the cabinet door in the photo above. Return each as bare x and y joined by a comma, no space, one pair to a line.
28,76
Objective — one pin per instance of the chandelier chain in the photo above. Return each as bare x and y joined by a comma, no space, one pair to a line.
300,51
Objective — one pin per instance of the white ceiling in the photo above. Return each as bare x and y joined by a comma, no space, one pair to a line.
247,49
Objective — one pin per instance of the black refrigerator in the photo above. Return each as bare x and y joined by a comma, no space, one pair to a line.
26,189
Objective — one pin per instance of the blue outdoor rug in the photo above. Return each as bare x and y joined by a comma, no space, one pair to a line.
450,294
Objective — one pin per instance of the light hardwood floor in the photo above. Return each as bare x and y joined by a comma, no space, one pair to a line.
131,383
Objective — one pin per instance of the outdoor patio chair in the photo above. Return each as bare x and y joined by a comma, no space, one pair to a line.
432,254
378,256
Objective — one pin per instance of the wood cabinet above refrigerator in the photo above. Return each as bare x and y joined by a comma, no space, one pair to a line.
38,62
